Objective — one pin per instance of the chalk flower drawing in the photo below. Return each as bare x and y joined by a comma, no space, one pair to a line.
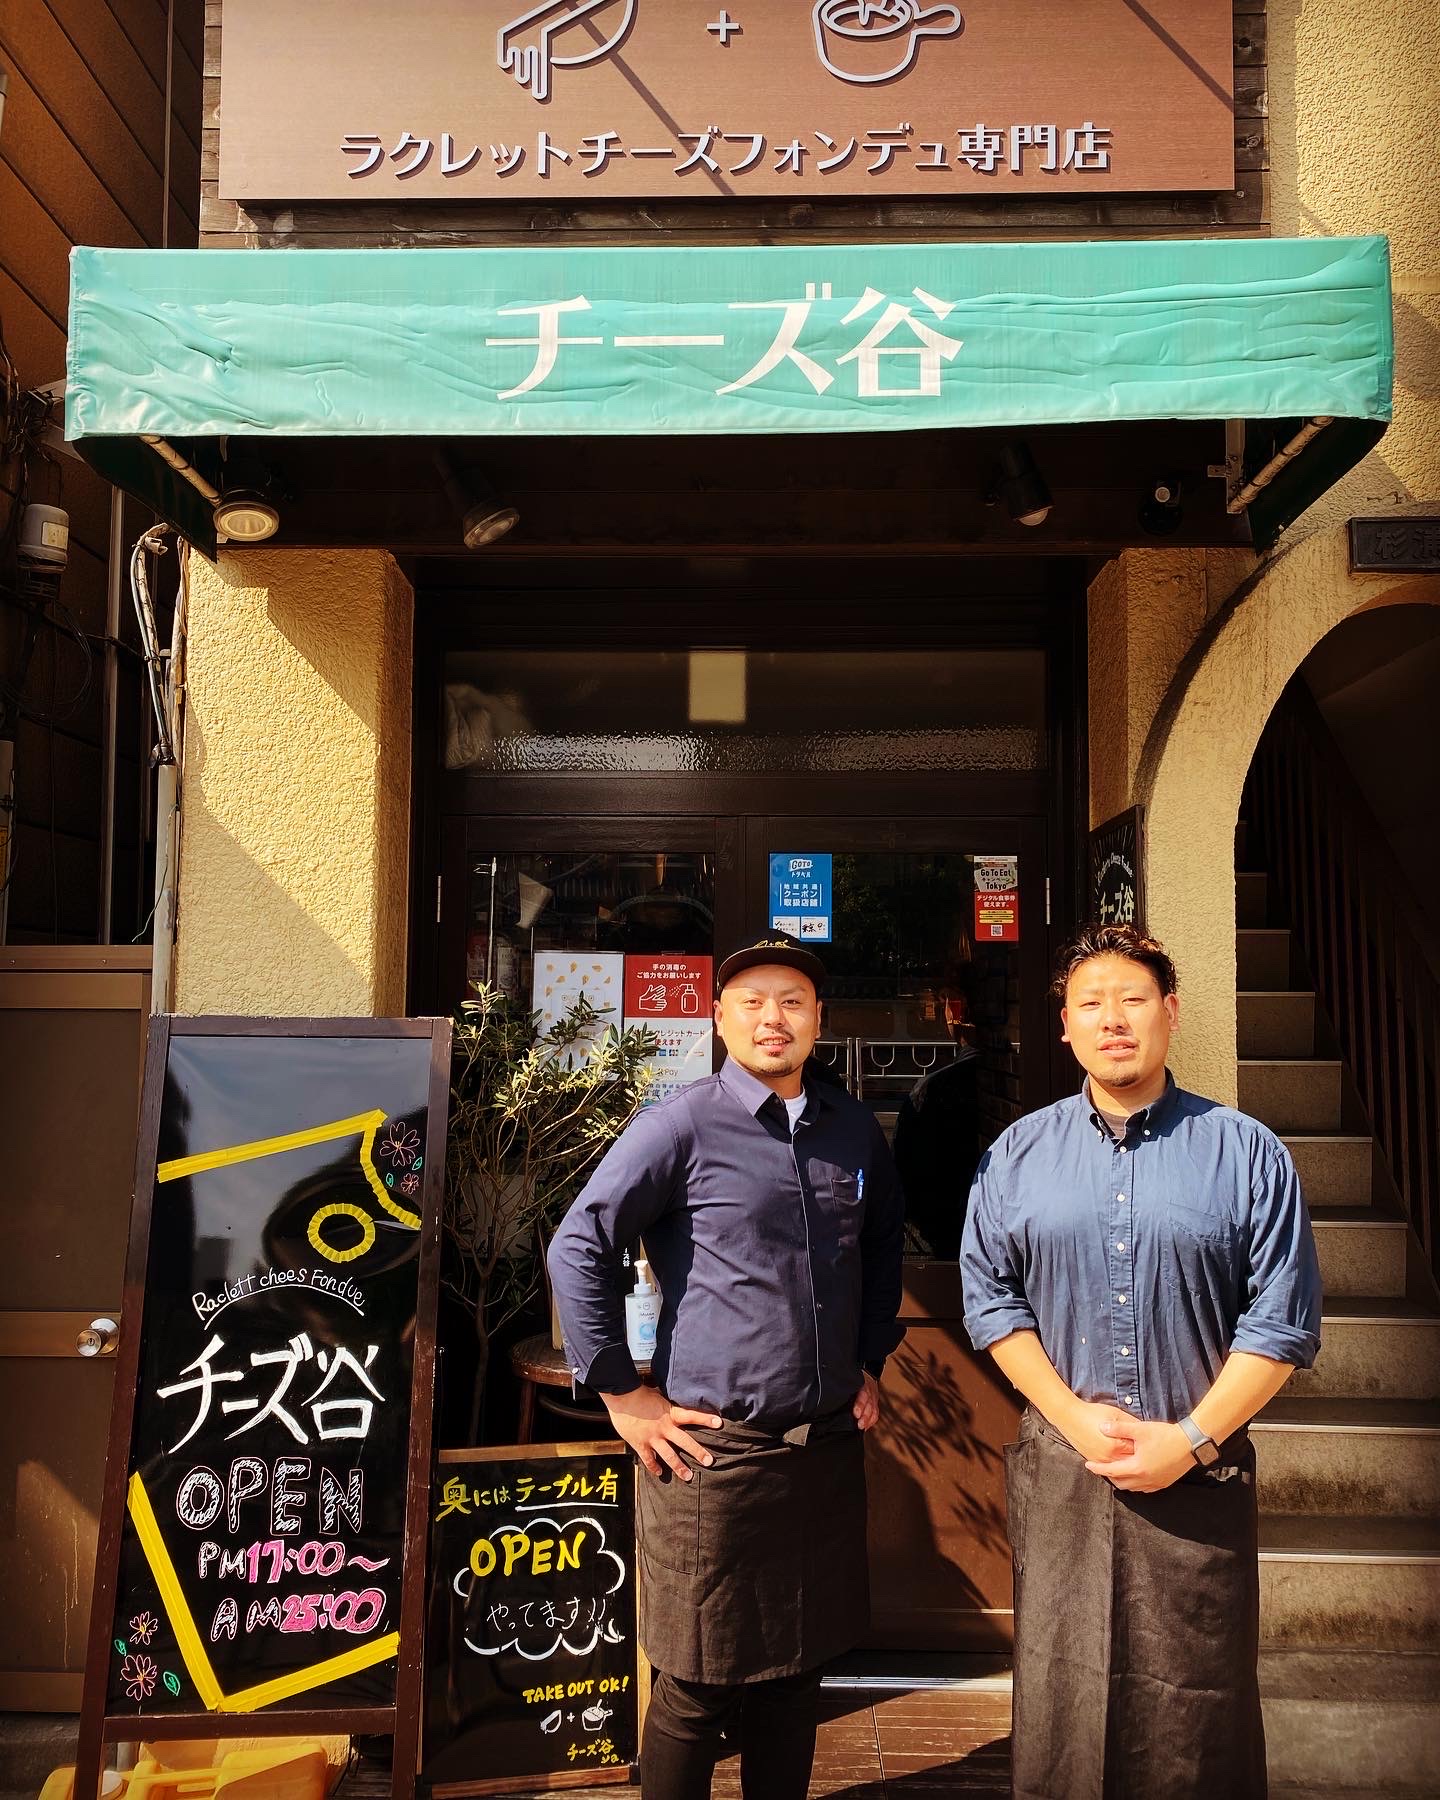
142,1627
138,1674
410,1184
400,1144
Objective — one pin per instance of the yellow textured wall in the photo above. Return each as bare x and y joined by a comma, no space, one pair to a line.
296,785
1194,766
1354,99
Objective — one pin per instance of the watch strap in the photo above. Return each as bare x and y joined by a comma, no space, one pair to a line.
1207,1451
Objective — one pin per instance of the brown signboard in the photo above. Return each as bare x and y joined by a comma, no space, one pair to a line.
595,99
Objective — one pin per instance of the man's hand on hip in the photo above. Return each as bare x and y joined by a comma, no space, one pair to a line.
650,1425
867,1403
1161,1455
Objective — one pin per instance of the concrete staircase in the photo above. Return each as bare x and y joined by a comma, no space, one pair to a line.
1349,1454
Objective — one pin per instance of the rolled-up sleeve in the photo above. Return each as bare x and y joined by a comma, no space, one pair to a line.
995,1302
882,1250
629,1190
1281,1319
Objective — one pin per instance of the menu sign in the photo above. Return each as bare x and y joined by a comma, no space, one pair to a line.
532,1664
283,1253
597,99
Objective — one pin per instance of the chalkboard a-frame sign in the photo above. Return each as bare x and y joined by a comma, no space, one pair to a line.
262,1534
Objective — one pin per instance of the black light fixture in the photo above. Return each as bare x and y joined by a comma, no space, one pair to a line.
484,515
1020,485
1160,512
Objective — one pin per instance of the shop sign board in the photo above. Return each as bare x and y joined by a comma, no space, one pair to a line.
533,1671
997,900
802,890
264,1515
671,998
1117,870
605,99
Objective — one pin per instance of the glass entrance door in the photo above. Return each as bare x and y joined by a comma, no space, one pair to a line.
933,935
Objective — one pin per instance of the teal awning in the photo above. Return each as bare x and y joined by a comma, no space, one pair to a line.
202,344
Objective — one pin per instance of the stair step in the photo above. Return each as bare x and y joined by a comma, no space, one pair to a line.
1361,1722
1349,1581
1334,1169
1357,1457
1252,897
1373,1347
1274,1024
1361,1252
1262,958
1291,1094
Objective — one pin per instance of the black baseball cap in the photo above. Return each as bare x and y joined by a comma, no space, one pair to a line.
774,947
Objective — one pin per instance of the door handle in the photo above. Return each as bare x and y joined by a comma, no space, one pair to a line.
99,1338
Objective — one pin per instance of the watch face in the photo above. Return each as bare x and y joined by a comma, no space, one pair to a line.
1208,1454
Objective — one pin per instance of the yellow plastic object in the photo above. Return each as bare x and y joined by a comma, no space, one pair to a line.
296,1772
60,1785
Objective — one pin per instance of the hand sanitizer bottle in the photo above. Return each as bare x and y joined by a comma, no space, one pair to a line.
642,1313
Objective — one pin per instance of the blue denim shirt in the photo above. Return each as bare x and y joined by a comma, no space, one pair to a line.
1141,1264
778,1261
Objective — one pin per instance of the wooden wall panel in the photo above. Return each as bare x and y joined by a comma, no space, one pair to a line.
83,161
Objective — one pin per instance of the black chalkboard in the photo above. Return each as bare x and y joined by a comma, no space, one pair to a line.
532,1668
1117,870
269,1458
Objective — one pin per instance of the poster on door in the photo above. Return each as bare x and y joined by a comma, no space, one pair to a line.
801,889
562,976
670,997
997,900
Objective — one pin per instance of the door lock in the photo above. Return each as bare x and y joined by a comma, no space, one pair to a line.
99,1338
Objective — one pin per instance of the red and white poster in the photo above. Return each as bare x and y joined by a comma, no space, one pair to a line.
997,900
671,997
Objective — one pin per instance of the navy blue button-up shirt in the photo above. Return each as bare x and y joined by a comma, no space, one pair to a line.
778,1259
1142,1263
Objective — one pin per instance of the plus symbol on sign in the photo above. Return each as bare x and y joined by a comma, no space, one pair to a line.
724,28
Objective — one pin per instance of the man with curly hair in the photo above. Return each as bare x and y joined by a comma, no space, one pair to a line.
1139,1262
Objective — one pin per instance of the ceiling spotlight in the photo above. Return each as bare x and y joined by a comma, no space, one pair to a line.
1020,485
245,516
1160,507
484,515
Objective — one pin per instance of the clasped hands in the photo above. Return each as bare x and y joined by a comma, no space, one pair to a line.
1139,1455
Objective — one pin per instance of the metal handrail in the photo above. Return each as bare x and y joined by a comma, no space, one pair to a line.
1371,954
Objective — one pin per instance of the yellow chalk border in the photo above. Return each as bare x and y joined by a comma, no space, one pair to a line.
192,1649
365,1125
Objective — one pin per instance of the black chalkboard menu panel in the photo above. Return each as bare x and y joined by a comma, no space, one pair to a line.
532,1666
265,1497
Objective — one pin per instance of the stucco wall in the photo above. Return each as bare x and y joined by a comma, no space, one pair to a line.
1354,96
295,810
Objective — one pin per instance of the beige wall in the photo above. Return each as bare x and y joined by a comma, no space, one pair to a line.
1189,650
296,785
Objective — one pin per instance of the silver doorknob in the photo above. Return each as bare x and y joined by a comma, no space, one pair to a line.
99,1338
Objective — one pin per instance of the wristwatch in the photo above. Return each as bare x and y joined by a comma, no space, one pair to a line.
1207,1451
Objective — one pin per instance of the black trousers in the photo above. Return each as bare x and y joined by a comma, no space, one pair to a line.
773,1723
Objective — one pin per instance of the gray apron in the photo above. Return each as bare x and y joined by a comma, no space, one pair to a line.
1137,1623
756,1567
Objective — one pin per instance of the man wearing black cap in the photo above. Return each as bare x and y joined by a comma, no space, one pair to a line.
773,1220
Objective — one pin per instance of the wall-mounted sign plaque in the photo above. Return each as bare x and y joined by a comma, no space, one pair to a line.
596,99
1117,870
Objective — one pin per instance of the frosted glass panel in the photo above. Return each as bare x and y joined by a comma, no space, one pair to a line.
509,711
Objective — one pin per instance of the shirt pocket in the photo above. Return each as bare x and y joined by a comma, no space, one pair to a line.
1198,1224
839,1193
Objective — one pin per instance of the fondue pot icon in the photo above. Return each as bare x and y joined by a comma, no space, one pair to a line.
876,40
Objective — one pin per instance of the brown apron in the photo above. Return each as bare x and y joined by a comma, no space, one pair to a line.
1137,1624
756,1568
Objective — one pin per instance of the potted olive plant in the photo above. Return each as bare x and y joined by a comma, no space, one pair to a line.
532,1110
